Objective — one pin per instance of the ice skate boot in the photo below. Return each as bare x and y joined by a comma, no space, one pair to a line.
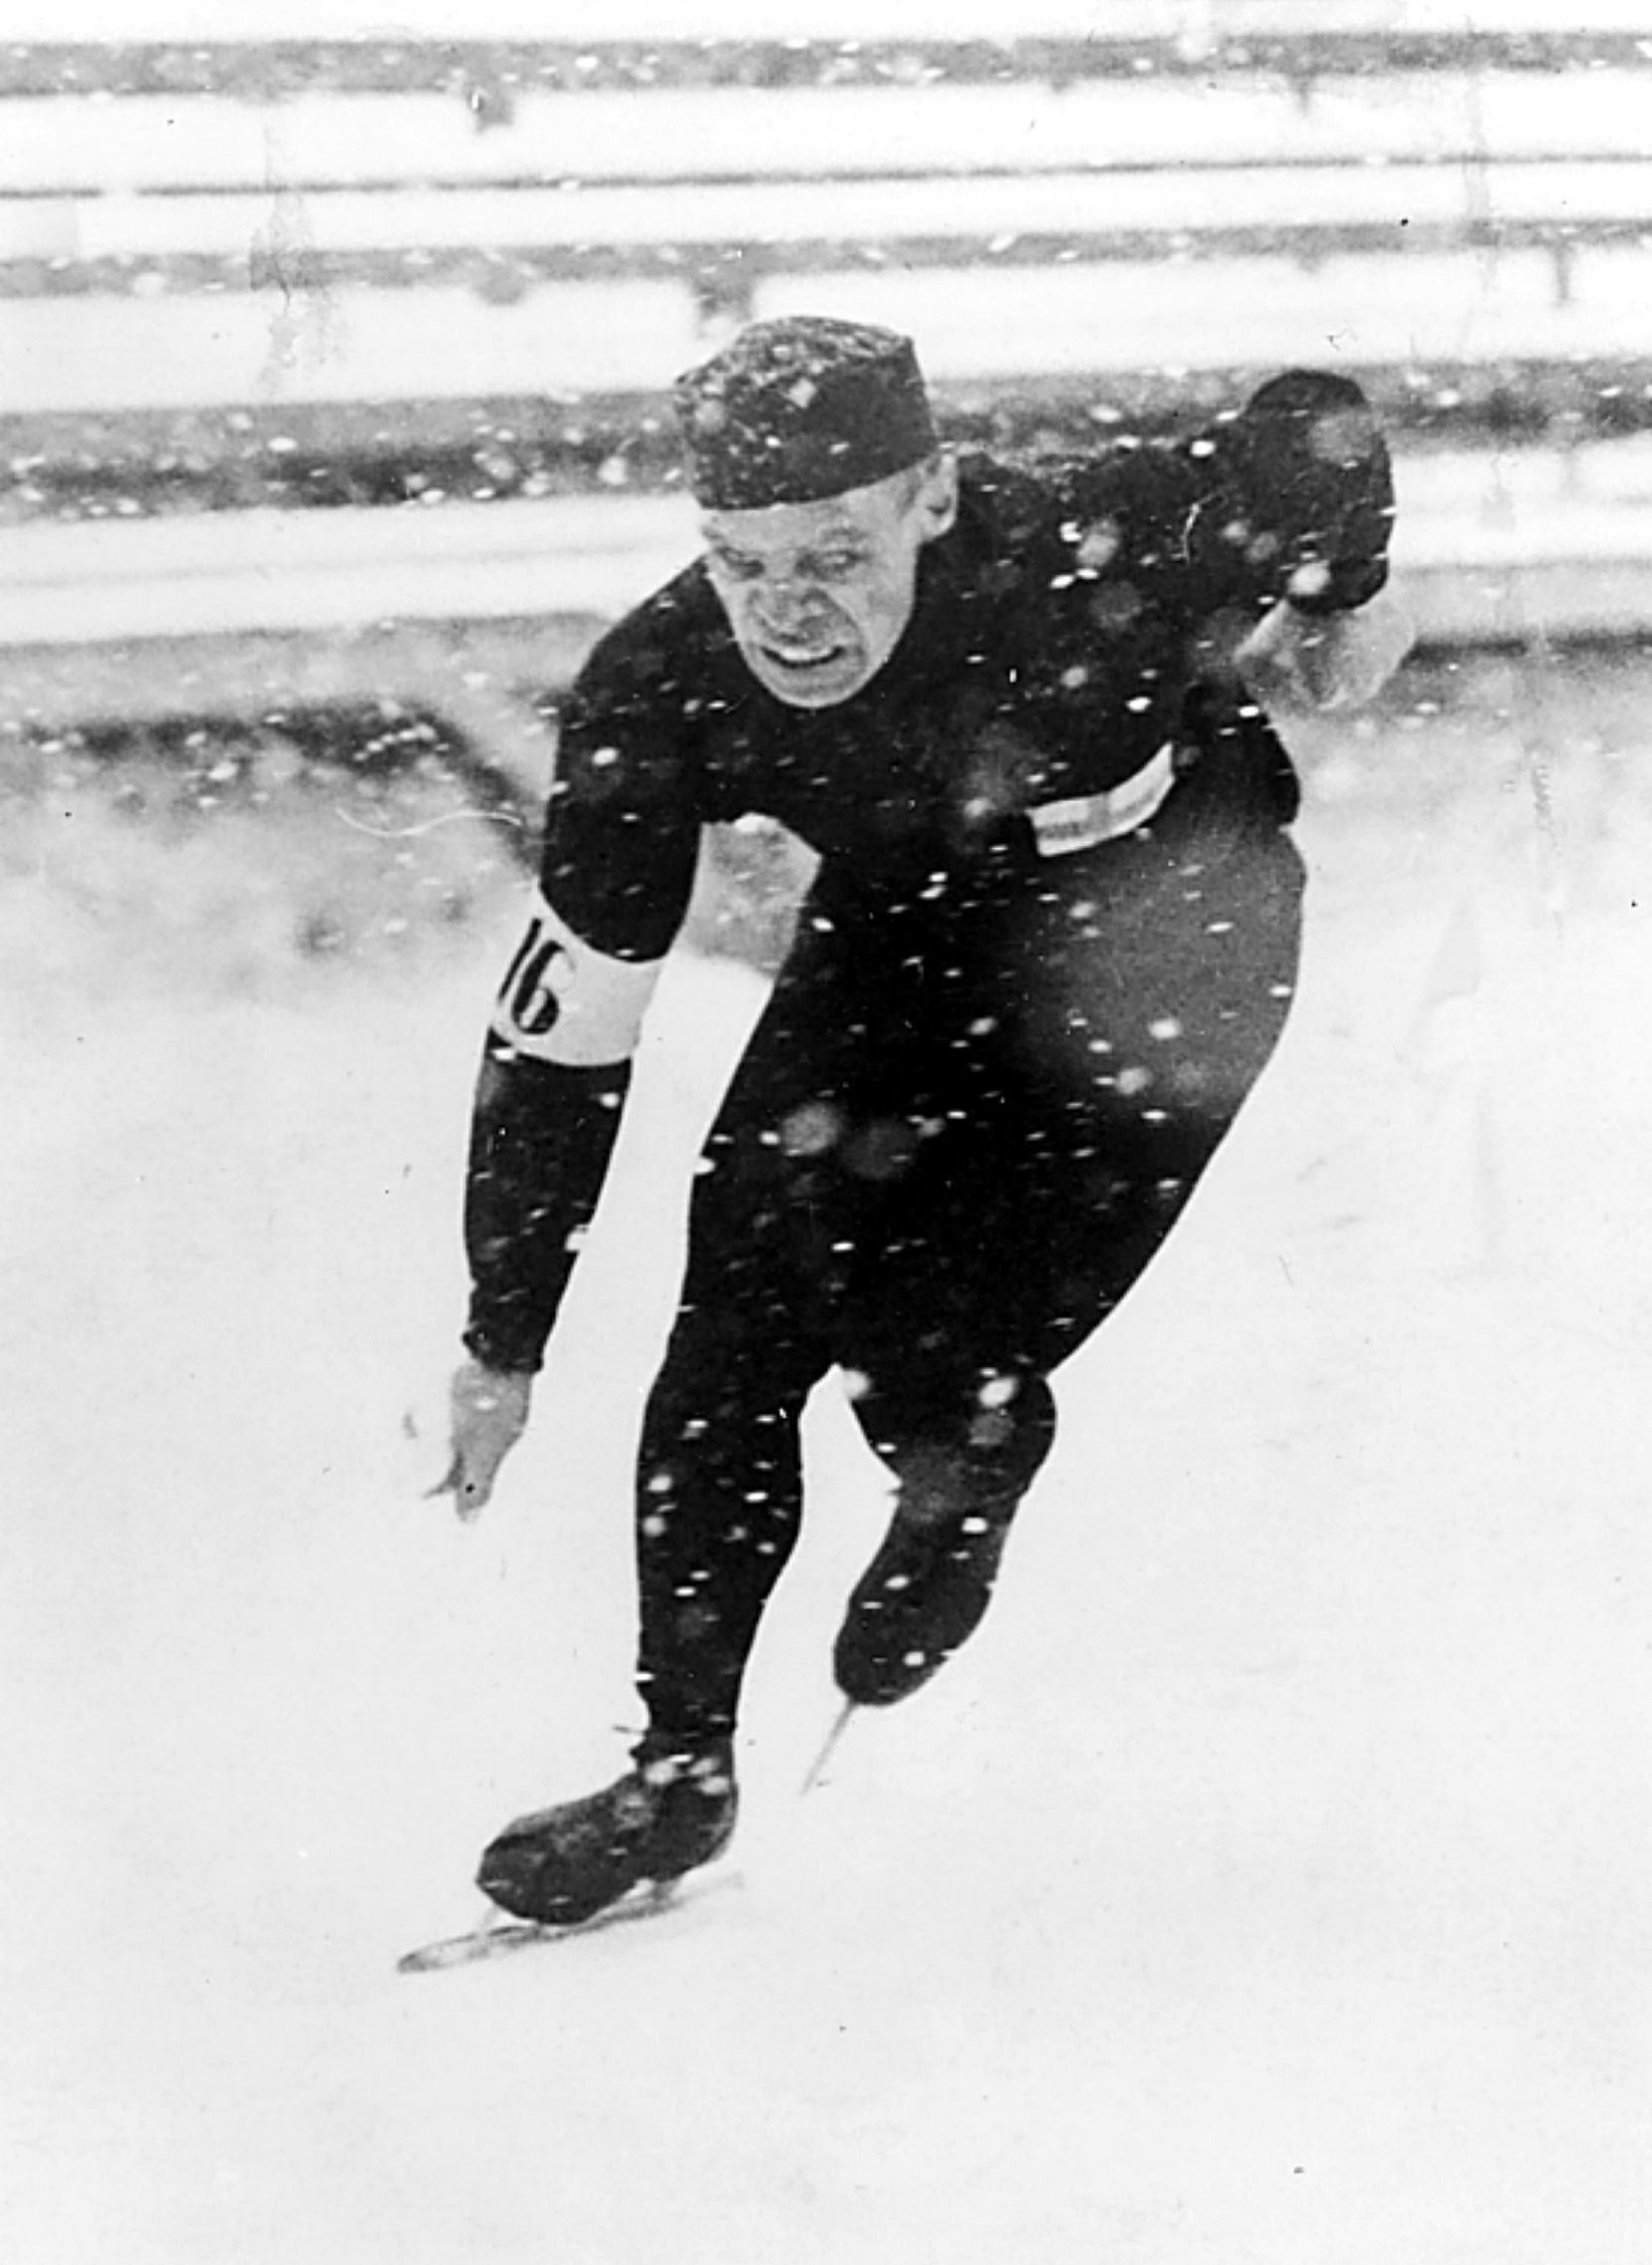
922,1595
672,1813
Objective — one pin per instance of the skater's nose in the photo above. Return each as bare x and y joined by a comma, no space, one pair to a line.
790,600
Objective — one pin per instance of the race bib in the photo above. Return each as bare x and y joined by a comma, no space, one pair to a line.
563,1000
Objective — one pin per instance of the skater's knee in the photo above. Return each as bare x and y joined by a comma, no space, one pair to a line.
727,1373
984,1440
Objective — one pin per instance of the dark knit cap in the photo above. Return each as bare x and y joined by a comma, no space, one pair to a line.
799,409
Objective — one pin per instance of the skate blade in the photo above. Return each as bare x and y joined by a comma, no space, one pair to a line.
495,1936
817,1770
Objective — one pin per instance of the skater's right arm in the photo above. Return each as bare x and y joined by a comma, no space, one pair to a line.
621,840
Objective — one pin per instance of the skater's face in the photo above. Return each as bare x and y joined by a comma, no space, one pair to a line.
818,594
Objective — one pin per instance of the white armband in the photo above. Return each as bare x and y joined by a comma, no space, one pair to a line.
562,1001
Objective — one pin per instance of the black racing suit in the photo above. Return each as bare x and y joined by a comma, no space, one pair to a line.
1050,946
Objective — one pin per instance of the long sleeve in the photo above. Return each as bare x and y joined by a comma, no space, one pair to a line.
621,838
540,1142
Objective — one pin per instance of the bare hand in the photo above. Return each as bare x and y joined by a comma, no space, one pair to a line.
1317,662
488,1414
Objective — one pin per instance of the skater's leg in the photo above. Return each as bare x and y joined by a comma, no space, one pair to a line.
718,1513
720,1502
1094,1114
772,1227
962,1459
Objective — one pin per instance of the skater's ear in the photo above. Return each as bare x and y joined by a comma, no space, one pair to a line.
934,493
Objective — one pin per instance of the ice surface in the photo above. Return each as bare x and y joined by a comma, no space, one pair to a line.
1263,1887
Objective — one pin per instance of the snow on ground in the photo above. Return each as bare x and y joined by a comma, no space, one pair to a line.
1265,1886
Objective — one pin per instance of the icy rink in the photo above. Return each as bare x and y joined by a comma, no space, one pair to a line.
1265,1885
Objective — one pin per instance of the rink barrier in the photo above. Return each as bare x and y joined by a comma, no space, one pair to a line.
190,45
1067,207
133,145
1536,519
1007,325
433,288
481,613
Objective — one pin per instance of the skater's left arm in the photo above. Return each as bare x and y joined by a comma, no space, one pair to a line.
556,1062
620,847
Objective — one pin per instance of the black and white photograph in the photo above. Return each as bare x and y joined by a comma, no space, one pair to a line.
826,901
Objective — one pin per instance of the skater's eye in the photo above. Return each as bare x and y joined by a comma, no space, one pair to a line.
739,565
829,565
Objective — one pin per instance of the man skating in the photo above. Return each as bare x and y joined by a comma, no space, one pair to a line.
1050,946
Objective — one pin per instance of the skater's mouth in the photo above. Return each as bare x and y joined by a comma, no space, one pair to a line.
802,659
813,664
